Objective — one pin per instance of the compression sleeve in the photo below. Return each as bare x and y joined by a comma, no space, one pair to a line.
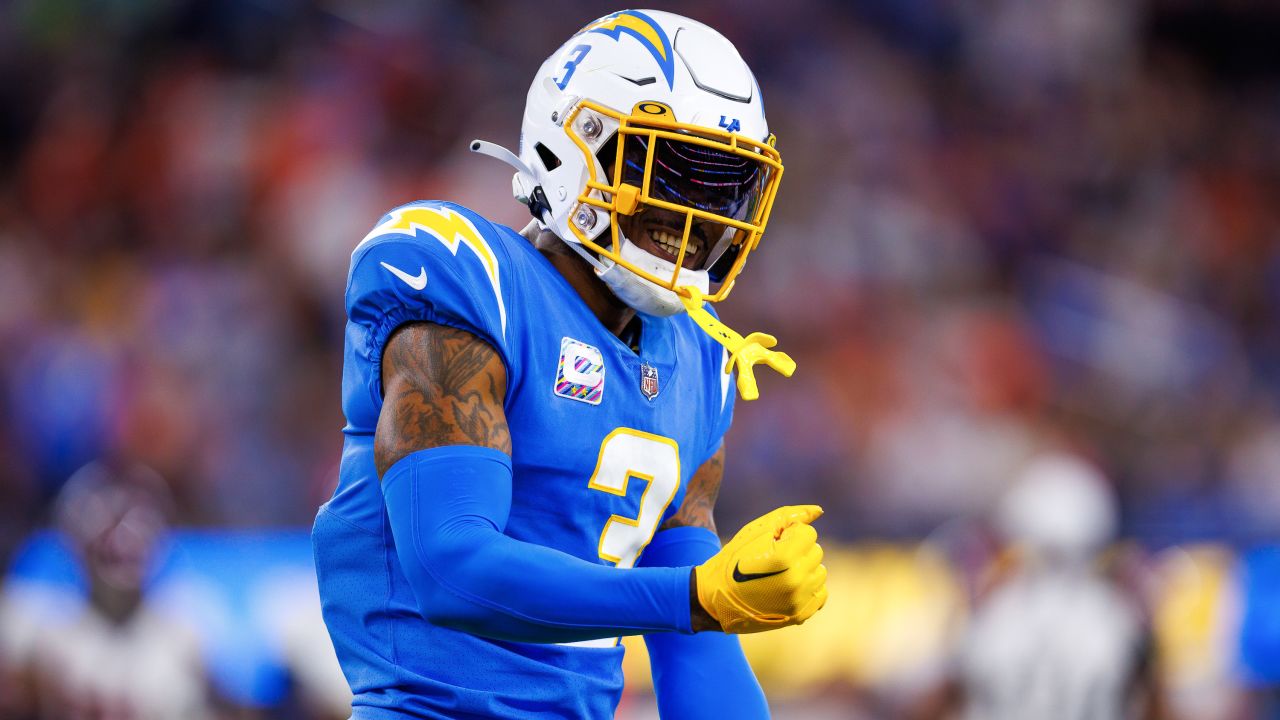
448,507
704,675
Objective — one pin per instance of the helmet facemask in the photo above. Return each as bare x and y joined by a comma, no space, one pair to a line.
697,200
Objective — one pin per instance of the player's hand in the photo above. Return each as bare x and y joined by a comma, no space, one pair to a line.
768,576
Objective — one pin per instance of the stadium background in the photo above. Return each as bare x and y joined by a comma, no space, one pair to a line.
1004,226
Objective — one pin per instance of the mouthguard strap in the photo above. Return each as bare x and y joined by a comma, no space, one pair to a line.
744,353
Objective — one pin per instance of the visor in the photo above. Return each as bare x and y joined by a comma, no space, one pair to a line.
696,176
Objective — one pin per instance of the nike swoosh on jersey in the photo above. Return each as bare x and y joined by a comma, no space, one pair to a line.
417,282
739,576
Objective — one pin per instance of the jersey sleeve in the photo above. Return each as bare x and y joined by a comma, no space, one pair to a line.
428,262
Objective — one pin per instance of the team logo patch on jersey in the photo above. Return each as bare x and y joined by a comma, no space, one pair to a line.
649,380
580,374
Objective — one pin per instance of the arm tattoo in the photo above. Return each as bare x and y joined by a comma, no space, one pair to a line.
441,386
700,498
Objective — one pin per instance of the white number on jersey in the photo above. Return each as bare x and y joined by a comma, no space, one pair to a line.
627,454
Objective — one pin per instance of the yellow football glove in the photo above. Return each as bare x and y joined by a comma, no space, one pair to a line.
769,575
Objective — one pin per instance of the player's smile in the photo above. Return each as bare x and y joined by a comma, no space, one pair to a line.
658,232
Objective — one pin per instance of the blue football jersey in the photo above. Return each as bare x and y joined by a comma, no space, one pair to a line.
604,441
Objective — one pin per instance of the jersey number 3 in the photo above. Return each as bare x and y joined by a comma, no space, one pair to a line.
627,454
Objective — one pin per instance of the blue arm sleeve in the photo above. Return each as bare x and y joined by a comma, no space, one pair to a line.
448,507
704,675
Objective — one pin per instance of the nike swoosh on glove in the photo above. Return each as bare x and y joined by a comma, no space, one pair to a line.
770,575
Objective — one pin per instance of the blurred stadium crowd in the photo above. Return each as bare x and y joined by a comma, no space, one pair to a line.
1005,227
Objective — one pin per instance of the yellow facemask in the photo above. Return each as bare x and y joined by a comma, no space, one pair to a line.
644,135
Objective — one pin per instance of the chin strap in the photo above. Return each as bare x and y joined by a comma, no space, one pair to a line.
589,256
744,353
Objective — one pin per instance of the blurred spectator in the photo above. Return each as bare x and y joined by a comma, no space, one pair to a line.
110,655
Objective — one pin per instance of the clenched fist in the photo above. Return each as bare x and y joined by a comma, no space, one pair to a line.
768,576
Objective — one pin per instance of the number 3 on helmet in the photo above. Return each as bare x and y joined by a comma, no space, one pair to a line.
648,111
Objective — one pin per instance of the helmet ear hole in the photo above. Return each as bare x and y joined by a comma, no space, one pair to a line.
549,159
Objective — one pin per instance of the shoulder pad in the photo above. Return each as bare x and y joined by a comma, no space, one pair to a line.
429,262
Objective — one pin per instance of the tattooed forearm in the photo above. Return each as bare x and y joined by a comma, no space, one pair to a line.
441,386
700,498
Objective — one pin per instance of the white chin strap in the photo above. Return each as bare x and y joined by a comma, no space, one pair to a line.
644,296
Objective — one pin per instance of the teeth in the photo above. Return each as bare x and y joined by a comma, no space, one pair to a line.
670,244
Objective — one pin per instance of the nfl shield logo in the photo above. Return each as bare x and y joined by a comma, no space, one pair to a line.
649,380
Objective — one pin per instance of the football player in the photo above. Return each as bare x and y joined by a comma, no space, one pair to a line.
534,420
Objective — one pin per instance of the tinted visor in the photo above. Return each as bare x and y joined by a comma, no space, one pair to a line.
696,176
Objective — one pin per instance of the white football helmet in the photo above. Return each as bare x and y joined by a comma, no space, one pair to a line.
642,110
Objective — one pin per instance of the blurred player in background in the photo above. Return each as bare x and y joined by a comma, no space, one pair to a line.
112,656
1054,635
534,420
